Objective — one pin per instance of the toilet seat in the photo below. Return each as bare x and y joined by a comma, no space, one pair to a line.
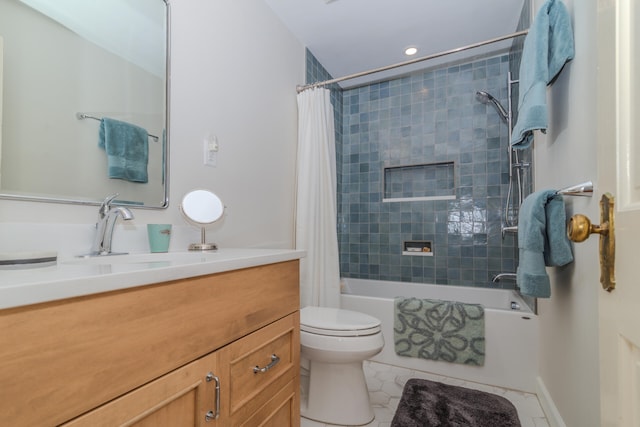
337,322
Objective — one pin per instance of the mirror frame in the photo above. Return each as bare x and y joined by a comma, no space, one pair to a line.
98,202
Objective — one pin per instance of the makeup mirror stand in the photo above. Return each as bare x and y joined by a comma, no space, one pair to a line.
203,246
201,208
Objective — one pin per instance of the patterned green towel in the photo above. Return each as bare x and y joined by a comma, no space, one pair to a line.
439,330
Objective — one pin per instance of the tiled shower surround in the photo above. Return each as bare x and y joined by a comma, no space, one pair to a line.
425,118
429,117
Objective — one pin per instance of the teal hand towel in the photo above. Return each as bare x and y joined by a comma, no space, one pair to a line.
127,148
557,248
542,241
547,48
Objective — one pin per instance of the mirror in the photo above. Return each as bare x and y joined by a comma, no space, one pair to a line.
201,208
64,66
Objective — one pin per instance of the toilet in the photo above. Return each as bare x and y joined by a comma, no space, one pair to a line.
336,342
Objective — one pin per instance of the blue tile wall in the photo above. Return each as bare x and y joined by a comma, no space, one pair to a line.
427,117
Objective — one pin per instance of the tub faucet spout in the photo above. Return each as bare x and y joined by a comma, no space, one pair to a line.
105,226
498,277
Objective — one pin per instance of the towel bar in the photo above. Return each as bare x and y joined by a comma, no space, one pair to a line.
584,189
82,116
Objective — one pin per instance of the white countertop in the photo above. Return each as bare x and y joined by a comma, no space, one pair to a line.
72,277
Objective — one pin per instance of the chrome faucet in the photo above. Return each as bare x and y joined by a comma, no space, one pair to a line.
106,224
498,277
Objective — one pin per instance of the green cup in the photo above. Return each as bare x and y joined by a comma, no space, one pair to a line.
159,237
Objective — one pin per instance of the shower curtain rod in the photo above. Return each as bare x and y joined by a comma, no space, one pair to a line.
301,88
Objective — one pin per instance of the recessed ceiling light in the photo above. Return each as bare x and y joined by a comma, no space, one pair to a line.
411,50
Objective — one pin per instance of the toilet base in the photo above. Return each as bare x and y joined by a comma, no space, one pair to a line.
337,394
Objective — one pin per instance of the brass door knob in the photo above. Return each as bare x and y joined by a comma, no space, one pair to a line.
580,228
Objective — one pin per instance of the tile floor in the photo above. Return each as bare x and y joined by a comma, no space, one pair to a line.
385,383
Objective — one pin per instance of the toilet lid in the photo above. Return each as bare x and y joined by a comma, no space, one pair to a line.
337,322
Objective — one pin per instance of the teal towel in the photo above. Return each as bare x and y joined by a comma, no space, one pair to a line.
547,47
542,241
127,148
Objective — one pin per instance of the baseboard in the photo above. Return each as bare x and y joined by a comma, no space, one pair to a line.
548,406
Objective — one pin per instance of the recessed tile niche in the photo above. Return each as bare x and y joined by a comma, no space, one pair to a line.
428,181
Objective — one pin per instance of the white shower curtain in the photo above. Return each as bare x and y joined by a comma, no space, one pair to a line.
316,206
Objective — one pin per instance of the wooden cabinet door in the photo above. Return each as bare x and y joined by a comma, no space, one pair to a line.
181,398
260,374
283,410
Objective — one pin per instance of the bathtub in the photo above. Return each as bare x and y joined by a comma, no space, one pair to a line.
511,330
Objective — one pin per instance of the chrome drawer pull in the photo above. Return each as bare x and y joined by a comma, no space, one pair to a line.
274,361
211,415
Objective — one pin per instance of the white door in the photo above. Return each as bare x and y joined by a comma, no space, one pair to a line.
618,100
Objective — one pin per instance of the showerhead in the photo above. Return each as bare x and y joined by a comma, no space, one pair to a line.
483,96
486,97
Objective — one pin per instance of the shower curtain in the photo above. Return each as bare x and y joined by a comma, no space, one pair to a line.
316,206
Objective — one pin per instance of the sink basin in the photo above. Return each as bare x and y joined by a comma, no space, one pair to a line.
169,258
22,260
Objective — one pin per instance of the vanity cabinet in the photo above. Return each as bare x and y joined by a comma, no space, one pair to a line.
228,387
158,355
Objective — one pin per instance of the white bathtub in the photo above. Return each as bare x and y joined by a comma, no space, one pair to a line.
511,335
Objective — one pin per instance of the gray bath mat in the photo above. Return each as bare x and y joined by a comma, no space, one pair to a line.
432,404
439,330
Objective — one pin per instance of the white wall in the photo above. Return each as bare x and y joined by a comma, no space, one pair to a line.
234,72
565,156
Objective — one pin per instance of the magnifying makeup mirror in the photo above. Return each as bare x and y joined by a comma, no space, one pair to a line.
201,208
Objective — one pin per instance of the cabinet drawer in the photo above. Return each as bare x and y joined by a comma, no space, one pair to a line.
254,374
281,410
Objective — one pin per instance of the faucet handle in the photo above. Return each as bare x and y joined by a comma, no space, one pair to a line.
106,205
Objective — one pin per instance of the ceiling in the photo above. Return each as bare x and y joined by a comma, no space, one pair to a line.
351,36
